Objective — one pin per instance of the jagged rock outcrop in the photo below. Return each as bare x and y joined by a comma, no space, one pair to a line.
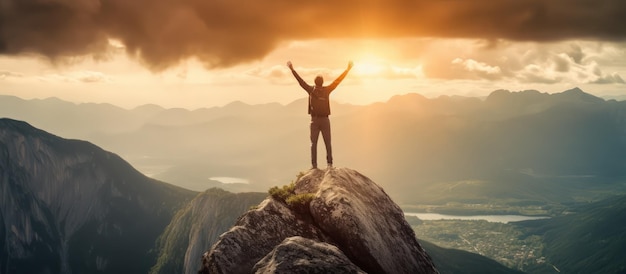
302,255
255,234
346,210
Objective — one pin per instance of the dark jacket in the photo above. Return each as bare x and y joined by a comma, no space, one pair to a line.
319,102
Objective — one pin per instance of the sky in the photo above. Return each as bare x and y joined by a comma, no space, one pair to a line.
205,53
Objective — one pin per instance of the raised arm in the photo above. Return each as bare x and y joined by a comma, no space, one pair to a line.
302,83
335,83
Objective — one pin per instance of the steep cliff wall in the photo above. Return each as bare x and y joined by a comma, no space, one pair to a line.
197,226
67,206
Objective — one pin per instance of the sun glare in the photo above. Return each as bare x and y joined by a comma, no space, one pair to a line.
368,68
371,60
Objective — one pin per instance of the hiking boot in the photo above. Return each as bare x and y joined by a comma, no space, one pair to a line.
330,165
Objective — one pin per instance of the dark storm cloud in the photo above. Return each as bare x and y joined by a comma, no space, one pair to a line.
223,33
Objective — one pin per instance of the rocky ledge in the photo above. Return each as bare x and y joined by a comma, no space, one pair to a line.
327,221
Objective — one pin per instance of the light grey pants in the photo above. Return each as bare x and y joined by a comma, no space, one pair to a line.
320,124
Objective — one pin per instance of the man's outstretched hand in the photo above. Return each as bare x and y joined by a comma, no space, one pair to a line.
350,64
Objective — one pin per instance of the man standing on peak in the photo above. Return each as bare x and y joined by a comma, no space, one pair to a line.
319,109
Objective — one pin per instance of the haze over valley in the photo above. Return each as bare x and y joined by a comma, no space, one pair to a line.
509,147
557,158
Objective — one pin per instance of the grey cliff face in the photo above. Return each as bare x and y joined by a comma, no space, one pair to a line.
348,214
66,205
200,237
197,226
368,226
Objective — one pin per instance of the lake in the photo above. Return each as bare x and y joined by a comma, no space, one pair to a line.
489,218
230,180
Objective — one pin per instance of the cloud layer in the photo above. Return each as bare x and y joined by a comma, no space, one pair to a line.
222,33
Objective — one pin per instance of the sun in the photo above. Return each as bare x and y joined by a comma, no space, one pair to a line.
367,68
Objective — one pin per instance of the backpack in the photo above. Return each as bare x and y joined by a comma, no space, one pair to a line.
319,104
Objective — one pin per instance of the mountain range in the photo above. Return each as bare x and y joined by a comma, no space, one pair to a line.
68,206
525,146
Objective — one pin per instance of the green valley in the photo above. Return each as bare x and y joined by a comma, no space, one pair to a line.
585,238
503,243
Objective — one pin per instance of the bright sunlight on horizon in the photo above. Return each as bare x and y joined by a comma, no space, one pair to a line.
192,60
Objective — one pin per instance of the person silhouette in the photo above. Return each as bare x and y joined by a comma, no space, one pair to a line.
319,109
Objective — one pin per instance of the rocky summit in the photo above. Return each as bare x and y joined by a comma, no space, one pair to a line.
327,221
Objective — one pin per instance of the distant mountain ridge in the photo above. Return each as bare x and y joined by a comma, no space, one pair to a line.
56,115
412,141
